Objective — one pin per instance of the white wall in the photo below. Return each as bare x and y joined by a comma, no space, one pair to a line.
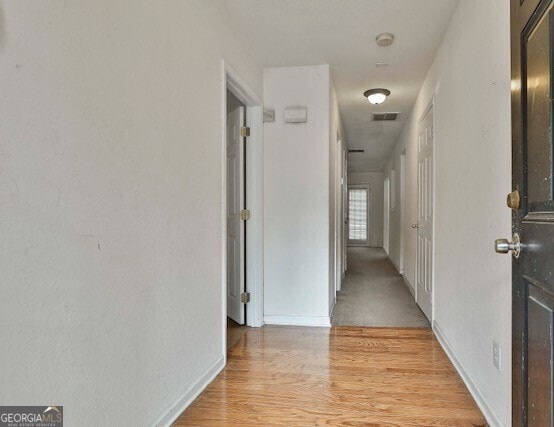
375,182
111,189
472,294
297,229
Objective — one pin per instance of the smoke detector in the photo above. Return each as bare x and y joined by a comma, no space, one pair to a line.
384,39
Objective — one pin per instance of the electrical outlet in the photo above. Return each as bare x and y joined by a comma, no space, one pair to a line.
496,355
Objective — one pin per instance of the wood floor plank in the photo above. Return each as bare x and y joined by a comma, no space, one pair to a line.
347,376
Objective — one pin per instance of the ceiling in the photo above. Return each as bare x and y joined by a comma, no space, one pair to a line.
342,33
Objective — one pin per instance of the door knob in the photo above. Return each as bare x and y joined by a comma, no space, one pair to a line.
415,225
503,246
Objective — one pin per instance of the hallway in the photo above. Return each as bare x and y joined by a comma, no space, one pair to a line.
169,165
298,376
374,294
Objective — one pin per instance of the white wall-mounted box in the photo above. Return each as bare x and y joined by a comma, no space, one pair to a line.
295,114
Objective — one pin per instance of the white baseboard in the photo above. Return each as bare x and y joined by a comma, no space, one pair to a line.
324,321
192,393
473,389
409,286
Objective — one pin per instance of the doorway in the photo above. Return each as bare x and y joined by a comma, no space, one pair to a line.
386,215
236,220
402,211
340,214
359,215
242,206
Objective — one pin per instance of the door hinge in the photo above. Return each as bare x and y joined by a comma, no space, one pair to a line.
244,131
245,297
514,201
245,214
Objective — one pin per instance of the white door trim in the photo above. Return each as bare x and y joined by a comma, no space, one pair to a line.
339,215
231,80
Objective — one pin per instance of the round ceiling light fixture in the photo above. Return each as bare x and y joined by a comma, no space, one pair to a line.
384,39
376,96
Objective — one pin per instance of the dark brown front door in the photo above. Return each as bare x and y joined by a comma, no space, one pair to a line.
533,218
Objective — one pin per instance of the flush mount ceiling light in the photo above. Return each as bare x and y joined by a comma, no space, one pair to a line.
376,96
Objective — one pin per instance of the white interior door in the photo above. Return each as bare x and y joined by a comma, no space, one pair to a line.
424,226
359,209
345,212
386,214
235,226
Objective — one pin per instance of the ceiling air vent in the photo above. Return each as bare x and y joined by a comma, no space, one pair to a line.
385,117
356,151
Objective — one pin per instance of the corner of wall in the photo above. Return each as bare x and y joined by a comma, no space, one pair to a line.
193,391
474,390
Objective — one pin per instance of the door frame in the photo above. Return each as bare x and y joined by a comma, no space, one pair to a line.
231,80
368,215
430,106
339,214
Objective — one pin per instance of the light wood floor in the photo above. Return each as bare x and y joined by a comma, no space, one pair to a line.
352,376
234,332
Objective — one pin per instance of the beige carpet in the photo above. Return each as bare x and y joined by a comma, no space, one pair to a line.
374,294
